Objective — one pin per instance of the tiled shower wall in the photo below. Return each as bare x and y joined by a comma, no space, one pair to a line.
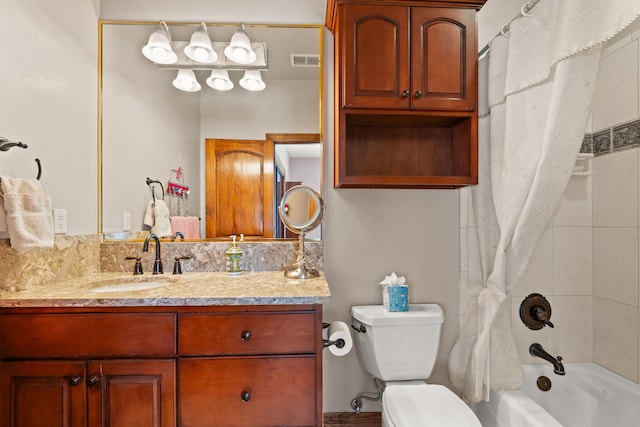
587,263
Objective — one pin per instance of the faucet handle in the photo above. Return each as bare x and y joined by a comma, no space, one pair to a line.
535,312
177,266
137,268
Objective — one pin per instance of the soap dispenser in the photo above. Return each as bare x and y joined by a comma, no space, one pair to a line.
234,258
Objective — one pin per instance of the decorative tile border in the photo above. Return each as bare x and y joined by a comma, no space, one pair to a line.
615,138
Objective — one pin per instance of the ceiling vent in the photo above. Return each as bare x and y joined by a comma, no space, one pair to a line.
305,60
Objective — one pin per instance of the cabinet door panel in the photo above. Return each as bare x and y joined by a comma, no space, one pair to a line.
128,393
249,391
376,63
443,49
42,394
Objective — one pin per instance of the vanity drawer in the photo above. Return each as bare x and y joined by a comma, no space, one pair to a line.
246,333
248,391
38,336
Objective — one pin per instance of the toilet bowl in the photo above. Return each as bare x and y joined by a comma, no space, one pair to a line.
400,348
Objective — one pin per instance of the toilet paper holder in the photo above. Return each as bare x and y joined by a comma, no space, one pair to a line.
340,343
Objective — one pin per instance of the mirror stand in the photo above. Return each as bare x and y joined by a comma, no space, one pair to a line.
301,209
299,269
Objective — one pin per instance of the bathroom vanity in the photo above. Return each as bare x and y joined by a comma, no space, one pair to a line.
202,350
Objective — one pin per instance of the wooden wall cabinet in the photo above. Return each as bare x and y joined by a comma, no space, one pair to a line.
405,93
228,366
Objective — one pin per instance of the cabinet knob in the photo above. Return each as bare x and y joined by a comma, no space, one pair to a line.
418,94
245,336
74,381
405,93
245,396
93,380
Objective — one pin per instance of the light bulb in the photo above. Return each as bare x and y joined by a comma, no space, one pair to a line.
219,84
240,54
201,54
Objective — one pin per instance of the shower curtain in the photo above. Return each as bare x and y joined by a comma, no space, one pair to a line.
535,85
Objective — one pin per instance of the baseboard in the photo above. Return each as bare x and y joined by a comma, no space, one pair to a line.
363,419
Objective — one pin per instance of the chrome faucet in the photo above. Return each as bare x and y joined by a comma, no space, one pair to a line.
536,350
157,264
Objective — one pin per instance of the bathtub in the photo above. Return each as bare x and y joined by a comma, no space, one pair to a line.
587,396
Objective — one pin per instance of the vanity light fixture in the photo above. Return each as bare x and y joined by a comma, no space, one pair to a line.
219,80
158,49
203,54
239,49
252,80
199,48
186,81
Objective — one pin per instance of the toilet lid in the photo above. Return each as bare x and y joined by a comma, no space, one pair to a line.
425,405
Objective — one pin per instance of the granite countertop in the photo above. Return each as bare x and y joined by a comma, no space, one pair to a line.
188,289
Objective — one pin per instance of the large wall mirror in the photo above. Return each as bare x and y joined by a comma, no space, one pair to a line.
150,129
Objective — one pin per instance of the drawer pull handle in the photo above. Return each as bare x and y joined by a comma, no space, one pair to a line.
245,336
74,381
418,94
245,396
405,93
93,380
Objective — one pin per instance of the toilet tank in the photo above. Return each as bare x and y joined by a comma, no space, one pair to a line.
399,345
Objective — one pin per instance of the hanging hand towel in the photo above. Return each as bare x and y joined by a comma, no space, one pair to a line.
187,225
148,215
28,213
161,223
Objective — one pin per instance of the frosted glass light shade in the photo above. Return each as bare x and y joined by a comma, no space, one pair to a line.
252,80
186,81
219,80
158,49
239,49
199,48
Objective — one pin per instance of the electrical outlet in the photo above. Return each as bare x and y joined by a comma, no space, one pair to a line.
59,221
126,221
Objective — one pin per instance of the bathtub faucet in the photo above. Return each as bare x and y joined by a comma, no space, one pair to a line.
536,350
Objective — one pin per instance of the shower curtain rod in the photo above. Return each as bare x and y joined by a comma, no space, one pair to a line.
524,10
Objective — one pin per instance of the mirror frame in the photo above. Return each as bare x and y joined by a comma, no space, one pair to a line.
283,138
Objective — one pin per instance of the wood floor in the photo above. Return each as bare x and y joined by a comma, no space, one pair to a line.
351,419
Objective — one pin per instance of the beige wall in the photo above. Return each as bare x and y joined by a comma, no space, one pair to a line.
48,87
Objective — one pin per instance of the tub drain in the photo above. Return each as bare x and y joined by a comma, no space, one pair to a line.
544,383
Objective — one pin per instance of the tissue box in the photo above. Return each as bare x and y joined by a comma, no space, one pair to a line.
395,297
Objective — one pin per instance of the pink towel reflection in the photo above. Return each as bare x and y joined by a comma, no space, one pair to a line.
188,225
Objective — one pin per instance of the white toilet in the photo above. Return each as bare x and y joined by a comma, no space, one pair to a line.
400,348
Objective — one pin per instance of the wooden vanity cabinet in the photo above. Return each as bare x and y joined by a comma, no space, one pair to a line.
260,368
87,369
251,366
405,92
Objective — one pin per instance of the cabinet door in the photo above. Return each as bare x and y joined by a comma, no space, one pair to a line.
248,391
42,394
375,56
443,59
125,393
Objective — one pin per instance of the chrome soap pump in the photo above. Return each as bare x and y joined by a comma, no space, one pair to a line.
234,258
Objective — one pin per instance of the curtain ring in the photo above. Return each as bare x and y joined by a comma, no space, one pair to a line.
505,30
524,10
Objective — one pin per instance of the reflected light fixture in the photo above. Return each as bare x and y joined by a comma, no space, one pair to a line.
186,81
219,80
239,49
252,80
199,48
158,49
200,54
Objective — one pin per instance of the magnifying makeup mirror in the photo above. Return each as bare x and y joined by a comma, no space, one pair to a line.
301,210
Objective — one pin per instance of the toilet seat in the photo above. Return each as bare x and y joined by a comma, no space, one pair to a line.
425,405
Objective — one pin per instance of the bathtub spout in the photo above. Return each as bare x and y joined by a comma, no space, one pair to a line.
536,350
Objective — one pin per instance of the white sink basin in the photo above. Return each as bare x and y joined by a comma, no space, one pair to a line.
134,284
